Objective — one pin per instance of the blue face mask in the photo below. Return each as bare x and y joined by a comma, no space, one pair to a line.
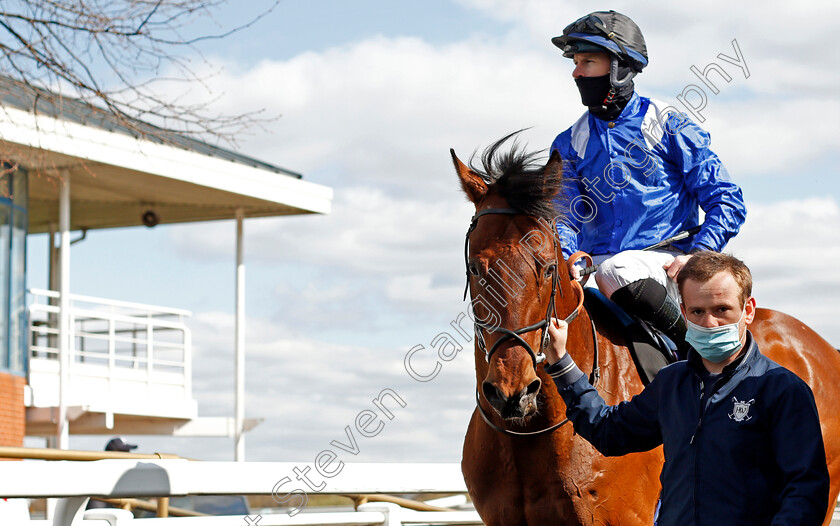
715,344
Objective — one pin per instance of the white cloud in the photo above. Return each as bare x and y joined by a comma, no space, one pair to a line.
418,288
308,390
368,231
792,248
790,29
386,111
777,142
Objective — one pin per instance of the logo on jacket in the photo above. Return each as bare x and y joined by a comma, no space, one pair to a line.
741,410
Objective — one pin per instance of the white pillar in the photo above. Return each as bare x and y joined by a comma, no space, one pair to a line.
52,284
239,417
63,428
53,260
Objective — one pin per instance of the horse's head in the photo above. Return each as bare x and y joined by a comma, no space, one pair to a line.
514,270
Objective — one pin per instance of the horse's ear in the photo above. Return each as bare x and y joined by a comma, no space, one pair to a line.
554,167
472,183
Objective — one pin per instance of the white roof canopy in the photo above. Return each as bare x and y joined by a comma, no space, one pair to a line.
117,177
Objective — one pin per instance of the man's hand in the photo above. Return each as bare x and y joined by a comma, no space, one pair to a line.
673,268
558,331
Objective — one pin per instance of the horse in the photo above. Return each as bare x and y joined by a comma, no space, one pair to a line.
521,465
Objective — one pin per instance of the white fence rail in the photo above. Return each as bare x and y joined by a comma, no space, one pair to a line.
74,482
114,340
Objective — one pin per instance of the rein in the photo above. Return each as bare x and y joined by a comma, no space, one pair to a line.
508,334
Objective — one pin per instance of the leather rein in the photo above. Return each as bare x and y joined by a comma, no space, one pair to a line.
516,334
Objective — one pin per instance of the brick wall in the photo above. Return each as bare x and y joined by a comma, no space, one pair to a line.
12,411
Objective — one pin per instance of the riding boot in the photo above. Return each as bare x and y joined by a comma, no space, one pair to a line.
648,299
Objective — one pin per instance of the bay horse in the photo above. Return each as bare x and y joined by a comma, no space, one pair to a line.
523,467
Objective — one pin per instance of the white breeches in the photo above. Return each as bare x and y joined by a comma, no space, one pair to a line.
616,271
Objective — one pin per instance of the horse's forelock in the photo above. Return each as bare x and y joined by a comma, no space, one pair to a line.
520,177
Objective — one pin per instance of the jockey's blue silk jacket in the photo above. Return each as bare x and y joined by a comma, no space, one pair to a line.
749,453
637,180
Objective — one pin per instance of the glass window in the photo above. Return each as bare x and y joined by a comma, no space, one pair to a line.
20,189
6,180
17,296
5,238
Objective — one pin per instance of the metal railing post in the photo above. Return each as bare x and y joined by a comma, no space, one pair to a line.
162,507
239,345
187,358
112,351
64,324
149,352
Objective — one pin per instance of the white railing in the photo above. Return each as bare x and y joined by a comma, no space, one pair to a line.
115,341
74,482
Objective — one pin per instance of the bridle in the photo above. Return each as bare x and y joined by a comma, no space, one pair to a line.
508,334
516,334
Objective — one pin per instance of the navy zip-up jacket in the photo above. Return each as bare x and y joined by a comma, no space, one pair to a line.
749,453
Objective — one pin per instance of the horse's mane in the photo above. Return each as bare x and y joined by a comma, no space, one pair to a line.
519,177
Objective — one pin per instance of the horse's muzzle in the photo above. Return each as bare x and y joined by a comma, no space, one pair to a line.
518,405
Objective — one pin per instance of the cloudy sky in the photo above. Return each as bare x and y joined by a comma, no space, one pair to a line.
371,95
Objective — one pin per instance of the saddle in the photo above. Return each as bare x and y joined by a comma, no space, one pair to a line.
650,348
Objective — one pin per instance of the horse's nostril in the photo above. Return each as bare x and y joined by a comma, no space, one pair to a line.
492,394
533,388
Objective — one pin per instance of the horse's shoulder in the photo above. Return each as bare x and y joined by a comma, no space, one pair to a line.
790,343
772,328
764,315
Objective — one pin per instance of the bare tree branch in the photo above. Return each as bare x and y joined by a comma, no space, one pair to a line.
121,56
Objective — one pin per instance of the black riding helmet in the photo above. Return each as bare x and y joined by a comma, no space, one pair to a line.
611,32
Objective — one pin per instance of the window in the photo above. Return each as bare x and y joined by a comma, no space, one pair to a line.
13,229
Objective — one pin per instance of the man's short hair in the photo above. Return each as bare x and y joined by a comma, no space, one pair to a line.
703,266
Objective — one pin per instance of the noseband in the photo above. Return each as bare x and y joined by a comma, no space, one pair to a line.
516,334
508,334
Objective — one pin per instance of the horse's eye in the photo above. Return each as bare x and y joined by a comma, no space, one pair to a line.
550,269
472,268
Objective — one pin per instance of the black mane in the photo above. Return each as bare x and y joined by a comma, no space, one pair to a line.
519,177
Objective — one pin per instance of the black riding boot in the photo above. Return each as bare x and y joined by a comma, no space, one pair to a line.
649,300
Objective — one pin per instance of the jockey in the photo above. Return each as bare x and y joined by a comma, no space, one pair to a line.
637,171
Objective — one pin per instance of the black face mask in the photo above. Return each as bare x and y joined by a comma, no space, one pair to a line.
593,90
